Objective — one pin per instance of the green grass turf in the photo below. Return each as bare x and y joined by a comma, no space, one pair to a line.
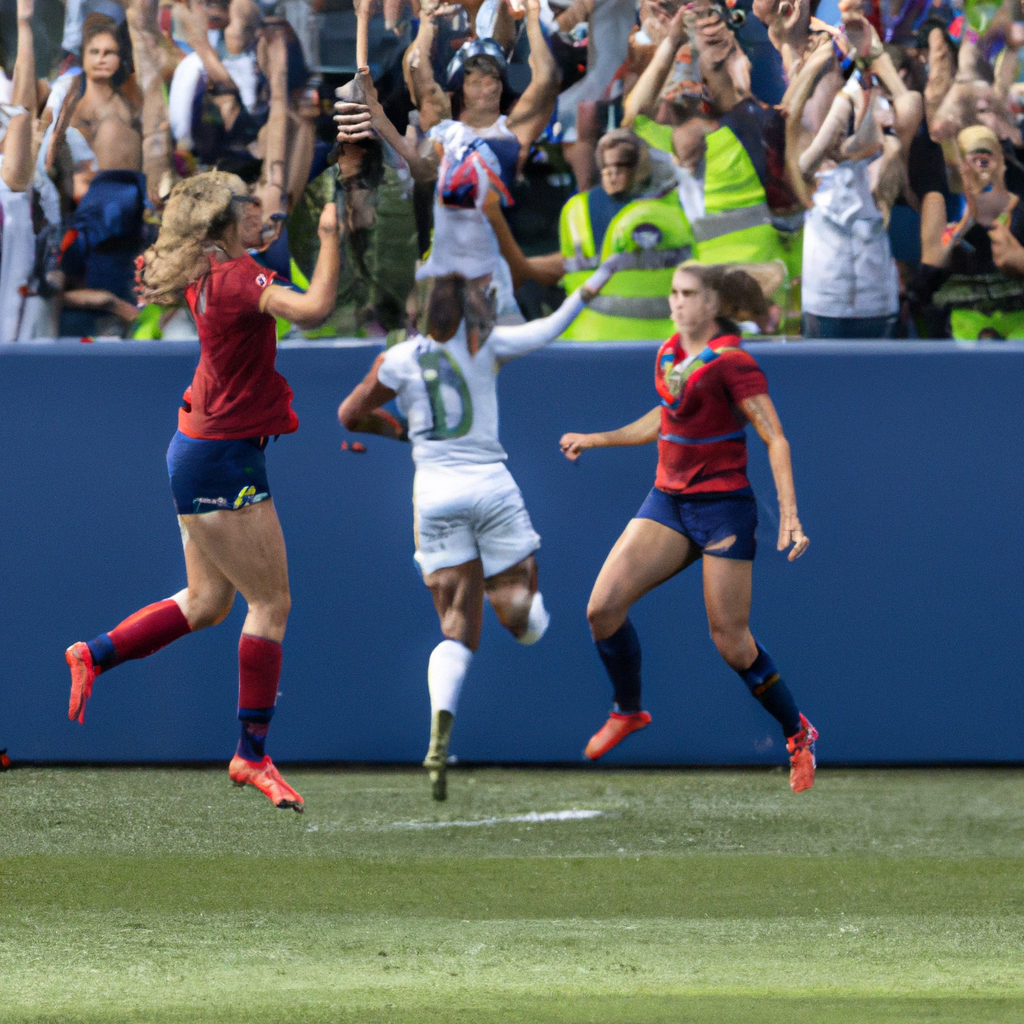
165,895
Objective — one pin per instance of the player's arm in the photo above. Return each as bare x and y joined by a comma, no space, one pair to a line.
532,111
643,97
19,158
509,342
641,431
760,410
361,412
310,309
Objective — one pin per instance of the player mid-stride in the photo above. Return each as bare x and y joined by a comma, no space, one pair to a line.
236,402
473,533
701,506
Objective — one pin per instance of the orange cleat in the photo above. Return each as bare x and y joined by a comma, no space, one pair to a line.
801,757
614,731
267,779
83,675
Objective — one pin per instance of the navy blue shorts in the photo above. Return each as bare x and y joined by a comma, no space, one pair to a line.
207,476
707,520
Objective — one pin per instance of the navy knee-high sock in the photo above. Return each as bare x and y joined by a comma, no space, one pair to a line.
764,682
620,653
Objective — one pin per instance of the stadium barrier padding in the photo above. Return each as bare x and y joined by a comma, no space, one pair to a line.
899,632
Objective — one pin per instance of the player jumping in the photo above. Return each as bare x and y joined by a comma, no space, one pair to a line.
473,533
237,401
701,505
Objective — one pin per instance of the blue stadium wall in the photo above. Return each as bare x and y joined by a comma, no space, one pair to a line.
900,631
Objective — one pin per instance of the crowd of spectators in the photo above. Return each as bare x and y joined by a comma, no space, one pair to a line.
867,172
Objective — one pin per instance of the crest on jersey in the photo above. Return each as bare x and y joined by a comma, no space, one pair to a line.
261,280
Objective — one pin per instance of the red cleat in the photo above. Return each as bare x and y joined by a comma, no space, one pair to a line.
614,731
83,674
267,779
801,757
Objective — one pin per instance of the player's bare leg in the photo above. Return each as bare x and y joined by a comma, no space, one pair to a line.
246,548
458,593
727,590
517,601
645,556
205,602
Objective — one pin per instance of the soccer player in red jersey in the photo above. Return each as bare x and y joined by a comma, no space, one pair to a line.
701,506
237,401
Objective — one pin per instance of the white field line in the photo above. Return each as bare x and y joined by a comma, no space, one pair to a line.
532,818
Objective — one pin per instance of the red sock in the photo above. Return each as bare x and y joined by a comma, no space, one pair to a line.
140,635
259,670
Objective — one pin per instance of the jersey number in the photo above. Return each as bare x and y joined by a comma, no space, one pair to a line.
437,370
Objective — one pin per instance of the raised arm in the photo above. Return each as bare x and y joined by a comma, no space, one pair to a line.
941,72
724,67
510,342
157,146
312,308
361,412
533,109
361,120
19,161
546,270
195,19
867,49
641,431
430,99
643,97
761,412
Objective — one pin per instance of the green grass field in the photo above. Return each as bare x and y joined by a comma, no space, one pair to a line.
166,895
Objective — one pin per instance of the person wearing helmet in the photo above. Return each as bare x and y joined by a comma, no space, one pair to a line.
481,135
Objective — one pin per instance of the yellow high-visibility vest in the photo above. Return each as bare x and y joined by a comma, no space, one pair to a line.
736,228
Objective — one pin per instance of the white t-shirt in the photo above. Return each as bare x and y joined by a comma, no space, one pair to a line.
464,242
848,269
450,397
17,259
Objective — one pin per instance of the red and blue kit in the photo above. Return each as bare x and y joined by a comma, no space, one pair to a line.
237,398
701,489
702,444
236,392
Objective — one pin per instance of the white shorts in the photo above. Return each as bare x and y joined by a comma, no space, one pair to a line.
467,512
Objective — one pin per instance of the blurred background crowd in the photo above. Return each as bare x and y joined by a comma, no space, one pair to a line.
865,162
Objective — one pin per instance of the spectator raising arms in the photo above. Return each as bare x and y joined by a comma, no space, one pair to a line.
480,151
850,281
17,159
979,262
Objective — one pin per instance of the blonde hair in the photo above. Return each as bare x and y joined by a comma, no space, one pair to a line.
978,137
198,212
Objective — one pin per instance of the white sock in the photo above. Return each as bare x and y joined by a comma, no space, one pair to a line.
536,623
449,662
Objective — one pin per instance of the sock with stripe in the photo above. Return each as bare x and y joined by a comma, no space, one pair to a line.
140,635
620,653
259,672
764,682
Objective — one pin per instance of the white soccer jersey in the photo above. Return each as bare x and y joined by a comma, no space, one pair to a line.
450,397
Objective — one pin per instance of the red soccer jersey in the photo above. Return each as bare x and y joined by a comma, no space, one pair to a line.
702,445
236,392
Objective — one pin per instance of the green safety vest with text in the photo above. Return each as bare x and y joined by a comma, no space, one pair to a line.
737,225
633,305
736,228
